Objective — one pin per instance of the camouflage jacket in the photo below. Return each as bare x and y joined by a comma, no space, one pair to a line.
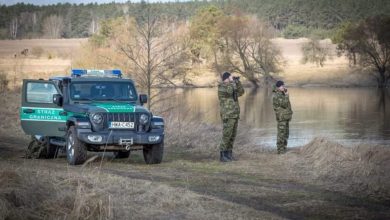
282,106
228,106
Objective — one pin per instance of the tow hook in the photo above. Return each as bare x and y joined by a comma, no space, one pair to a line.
127,147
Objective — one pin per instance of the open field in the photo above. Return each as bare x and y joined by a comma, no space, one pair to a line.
58,47
322,180
53,57
57,56
335,72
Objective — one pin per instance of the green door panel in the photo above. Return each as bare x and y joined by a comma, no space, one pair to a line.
38,114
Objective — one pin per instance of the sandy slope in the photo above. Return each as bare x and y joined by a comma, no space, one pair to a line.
63,52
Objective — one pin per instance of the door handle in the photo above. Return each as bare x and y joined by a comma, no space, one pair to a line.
63,113
28,111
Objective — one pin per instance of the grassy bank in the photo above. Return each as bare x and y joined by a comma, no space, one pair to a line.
321,180
358,170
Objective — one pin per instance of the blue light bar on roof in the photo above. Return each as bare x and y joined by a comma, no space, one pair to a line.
78,72
117,72
96,73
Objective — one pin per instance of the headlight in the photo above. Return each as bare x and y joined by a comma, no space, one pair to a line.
97,118
143,119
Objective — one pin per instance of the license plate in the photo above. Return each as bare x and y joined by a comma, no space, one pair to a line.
122,125
126,142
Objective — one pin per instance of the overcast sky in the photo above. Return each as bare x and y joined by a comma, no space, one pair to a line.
48,2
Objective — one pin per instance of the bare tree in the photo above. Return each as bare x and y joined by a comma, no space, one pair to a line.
155,50
94,23
314,52
247,49
368,43
53,26
13,28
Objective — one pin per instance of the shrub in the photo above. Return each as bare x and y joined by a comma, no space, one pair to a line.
299,31
295,31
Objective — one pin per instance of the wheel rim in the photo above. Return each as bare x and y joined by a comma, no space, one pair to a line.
70,146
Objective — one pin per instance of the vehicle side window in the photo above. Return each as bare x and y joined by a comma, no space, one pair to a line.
40,92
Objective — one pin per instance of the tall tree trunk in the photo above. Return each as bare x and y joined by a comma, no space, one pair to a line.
382,80
268,79
254,82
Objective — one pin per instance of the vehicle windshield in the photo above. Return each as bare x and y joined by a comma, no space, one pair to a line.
102,91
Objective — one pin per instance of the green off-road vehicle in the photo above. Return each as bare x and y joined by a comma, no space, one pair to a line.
92,110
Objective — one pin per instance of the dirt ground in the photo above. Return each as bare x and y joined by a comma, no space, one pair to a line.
261,185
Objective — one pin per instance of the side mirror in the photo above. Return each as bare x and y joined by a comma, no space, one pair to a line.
57,99
143,99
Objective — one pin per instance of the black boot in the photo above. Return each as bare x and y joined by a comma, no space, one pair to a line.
230,155
223,157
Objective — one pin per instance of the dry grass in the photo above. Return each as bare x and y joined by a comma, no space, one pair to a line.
31,191
45,58
40,194
185,132
360,169
58,47
363,170
335,72
9,114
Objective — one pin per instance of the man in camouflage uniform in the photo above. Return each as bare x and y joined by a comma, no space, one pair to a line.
282,107
228,92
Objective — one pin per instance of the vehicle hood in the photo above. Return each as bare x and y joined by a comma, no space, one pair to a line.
104,107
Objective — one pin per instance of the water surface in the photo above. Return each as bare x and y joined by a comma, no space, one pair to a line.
346,115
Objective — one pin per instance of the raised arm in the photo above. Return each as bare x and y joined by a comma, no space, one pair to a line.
240,89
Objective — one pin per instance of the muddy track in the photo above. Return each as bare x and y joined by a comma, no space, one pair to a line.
223,188
210,191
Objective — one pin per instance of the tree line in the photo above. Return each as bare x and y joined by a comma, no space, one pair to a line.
156,51
291,18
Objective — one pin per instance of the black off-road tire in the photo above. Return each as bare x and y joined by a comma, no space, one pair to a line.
35,150
121,154
76,151
153,154
51,150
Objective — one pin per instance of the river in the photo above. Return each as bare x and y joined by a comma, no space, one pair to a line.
346,115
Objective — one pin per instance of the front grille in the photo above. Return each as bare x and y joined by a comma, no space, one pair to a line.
125,117
121,117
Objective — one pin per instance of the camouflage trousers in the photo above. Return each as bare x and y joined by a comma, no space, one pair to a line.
283,133
229,133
